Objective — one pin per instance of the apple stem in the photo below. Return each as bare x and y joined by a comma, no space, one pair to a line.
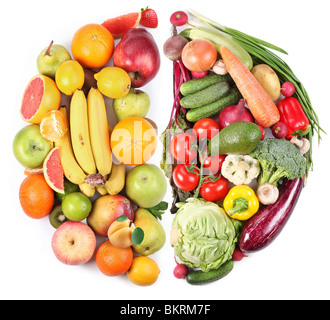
36,148
47,53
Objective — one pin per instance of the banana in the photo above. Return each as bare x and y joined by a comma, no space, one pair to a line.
117,177
71,168
101,190
87,190
80,135
99,131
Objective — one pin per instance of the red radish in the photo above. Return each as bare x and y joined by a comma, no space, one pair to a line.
288,89
179,18
199,74
235,113
280,130
180,271
238,254
263,133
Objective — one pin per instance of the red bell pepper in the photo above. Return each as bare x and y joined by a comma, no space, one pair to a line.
293,115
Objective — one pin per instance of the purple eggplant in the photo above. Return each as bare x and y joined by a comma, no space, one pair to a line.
263,228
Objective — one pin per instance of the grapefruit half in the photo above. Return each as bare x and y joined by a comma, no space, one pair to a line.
53,170
120,25
41,95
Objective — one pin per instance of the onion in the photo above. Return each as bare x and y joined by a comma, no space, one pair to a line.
173,46
235,113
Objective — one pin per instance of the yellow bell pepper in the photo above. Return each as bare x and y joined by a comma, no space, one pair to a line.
241,203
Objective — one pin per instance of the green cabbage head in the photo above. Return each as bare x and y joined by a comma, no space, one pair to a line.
203,235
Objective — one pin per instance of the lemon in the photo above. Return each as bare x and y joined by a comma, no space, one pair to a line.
69,77
113,82
144,271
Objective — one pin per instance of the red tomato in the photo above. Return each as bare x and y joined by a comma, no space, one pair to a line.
206,128
182,148
213,164
199,55
184,180
214,191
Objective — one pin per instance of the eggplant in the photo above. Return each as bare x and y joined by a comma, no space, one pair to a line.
264,227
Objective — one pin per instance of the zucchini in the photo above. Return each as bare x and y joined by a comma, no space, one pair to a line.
219,39
205,96
200,277
210,110
194,85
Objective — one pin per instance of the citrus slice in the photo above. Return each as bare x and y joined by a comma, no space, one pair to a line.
53,171
53,125
121,24
41,95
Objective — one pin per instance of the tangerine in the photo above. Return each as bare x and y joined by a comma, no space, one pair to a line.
133,141
53,125
92,46
113,261
36,196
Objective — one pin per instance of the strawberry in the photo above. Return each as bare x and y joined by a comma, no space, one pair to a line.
149,18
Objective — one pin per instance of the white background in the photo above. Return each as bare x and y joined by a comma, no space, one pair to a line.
295,266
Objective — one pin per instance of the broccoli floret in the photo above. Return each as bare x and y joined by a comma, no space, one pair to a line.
278,159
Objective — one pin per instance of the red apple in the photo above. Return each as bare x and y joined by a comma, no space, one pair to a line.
74,243
106,209
137,53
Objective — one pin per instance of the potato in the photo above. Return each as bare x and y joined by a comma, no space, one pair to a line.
268,79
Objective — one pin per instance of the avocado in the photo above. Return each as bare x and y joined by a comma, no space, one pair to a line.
240,137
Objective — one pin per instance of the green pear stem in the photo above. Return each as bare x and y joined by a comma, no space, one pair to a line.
47,53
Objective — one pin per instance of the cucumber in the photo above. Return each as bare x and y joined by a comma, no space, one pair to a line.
232,97
195,85
205,96
200,277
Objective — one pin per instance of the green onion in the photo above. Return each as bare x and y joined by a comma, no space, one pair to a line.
260,53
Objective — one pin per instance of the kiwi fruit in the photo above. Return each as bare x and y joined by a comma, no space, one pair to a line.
57,217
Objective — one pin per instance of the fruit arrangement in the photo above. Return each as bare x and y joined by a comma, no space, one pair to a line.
238,146
88,179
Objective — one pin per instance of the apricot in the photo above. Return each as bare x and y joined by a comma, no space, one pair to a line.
120,233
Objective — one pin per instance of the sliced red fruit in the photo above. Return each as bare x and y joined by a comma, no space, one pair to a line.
118,26
53,170
41,95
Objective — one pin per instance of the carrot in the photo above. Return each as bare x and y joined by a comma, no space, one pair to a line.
260,104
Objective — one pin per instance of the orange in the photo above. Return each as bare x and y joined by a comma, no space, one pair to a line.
36,197
41,95
133,141
92,46
113,261
53,125
144,271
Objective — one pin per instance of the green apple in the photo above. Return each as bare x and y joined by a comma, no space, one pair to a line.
76,206
30,148
135,104
146,185
50,58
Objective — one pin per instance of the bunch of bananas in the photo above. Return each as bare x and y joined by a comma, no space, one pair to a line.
85,149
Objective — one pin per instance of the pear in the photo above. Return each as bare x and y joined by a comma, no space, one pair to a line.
135,104
154,233
50,58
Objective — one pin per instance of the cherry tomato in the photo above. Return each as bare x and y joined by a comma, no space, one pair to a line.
185,180
213,164
214,191
199,55
206,128
182,148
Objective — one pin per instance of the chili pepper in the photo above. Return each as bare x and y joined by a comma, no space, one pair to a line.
293,115
241,203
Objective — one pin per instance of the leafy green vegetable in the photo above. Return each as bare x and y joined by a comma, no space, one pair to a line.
278,159
203,235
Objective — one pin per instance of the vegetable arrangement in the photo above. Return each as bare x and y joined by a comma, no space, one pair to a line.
237,148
